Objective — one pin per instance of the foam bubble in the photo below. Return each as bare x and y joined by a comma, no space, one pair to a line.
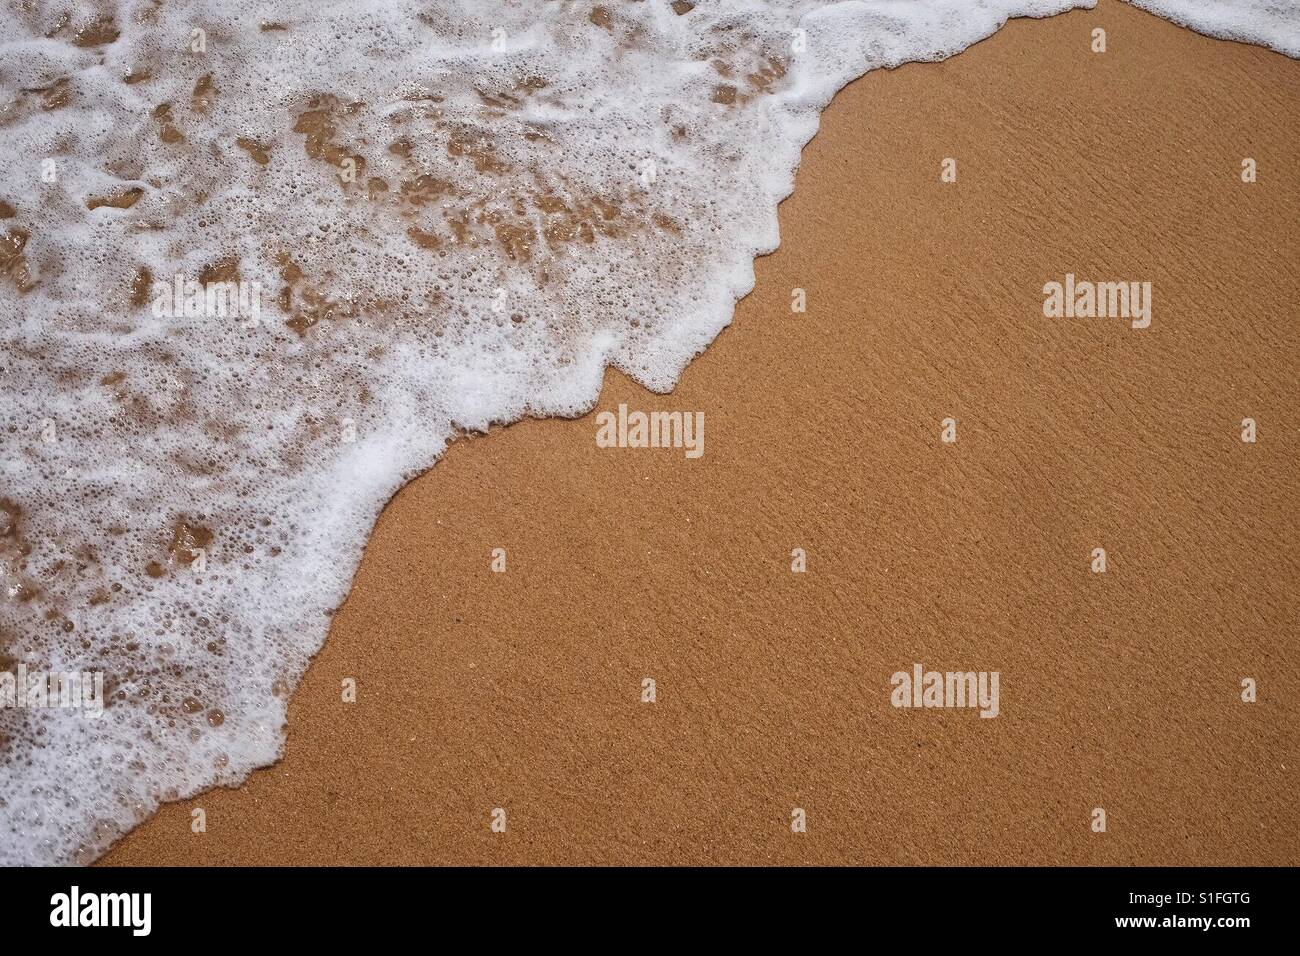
1270,23
457,213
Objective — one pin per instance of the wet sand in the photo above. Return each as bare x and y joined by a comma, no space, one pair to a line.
1122,690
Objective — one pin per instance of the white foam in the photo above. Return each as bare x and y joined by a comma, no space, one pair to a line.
1270,23
522,244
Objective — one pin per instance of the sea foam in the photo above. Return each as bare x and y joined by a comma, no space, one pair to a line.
1271,23
455,212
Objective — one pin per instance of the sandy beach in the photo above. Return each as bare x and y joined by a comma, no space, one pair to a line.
1120,691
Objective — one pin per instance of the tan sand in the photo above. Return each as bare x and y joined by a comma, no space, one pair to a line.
1119,690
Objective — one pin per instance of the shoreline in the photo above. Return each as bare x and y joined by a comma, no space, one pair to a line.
522,689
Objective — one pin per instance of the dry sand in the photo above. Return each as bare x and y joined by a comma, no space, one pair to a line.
1119,690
